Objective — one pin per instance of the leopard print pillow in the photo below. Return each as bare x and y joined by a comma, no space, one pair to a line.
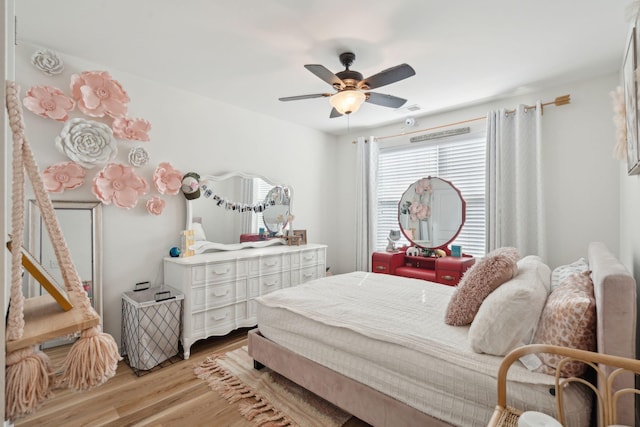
569,320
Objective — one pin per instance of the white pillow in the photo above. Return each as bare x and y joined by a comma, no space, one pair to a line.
509,315
563,272
198,232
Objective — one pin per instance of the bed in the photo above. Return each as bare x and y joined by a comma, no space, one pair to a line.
399,364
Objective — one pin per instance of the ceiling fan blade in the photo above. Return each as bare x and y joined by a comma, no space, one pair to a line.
388,76
295,98
334,114
385,100
326,75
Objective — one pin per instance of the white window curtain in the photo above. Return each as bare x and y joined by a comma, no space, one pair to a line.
515,211
366,201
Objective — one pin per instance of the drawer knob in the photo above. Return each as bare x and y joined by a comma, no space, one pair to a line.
306,275
447,277
221,294
223,271
220,317
381,267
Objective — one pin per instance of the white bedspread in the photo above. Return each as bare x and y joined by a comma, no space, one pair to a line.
401,311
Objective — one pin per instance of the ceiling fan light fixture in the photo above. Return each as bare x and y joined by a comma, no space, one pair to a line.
347,101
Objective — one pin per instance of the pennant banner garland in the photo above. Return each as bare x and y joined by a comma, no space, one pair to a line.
220,201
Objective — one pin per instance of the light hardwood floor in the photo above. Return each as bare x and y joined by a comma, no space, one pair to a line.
170,396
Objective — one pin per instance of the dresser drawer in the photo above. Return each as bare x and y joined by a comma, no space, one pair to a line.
216,273
386,262
264,284
269,264
218,295
217,318
308,258
448,277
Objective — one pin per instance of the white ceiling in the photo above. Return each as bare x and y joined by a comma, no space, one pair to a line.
251,52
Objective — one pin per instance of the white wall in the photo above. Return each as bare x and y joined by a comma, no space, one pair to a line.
194,134
581,176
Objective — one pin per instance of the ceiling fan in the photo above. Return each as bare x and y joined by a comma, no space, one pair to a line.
351,87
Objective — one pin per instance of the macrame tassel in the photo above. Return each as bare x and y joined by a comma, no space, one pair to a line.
27,377
91,361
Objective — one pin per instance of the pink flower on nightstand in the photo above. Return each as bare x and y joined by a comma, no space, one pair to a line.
131,129
155,205
63,176
98,94
166,179
49,102
119,184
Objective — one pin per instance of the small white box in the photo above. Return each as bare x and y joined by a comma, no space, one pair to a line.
151,325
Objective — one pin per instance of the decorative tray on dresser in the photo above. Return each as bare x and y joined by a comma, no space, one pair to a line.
220,287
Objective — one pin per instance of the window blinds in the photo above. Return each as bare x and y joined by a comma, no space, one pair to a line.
461,161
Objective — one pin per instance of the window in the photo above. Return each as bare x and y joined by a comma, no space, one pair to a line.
260,190
461,161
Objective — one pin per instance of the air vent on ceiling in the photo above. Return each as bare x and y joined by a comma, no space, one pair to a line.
440,134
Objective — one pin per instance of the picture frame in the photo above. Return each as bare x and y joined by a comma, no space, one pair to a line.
631,103
42,276
302,234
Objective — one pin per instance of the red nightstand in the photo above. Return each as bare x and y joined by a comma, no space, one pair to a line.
447,270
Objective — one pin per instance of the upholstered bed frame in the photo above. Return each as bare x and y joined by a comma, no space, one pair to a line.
615,293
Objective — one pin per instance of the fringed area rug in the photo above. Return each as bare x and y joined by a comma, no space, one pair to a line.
265,397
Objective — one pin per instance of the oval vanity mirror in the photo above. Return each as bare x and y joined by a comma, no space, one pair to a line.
431,213
233,207
276,213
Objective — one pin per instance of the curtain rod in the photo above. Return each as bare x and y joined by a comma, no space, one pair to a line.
560,100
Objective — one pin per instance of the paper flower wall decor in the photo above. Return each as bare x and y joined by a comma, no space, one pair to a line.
98,94
166,179
119,184
155,205
138,156
47,61
87,142
48,102
63,176
131,129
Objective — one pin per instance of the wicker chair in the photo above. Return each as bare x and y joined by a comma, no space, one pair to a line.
606,393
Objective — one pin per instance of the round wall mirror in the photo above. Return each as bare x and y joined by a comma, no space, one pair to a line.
431,213
276,213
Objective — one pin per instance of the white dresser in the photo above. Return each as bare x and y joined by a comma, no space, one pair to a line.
220,287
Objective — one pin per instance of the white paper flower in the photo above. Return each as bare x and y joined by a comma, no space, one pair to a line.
87,142
47,61
138,156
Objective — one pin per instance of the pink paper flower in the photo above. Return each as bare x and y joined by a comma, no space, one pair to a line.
418,211
423,185
98,94
49,102
155,205
63,176
131,129
119,184
166,179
